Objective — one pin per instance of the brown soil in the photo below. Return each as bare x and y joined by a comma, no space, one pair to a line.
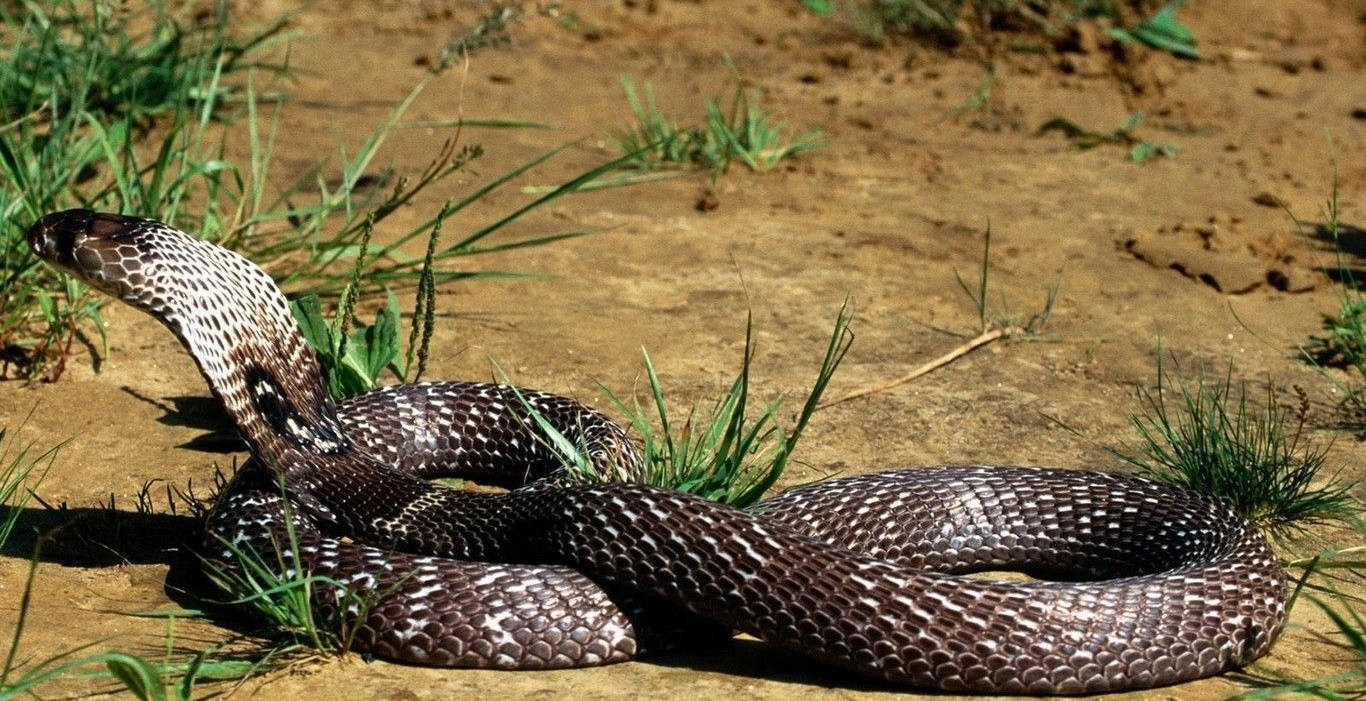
1174,252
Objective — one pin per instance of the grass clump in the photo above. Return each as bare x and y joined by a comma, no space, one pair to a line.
1209,436
85,151
727,454
92,56
742,131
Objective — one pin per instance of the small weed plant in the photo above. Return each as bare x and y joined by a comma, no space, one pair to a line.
1084,139
1162,31
1004,324
490,30
1343,341
353,355
1211,437
742,131
1007,321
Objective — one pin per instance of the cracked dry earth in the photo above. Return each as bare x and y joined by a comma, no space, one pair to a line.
1190,252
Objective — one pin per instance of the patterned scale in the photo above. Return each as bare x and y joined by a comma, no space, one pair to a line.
857,572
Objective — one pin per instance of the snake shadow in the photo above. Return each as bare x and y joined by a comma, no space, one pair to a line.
96,537
203,413
104,537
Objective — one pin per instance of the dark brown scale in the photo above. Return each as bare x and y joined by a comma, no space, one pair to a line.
856,572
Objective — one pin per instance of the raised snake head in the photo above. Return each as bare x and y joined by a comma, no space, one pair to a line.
101,250
226,311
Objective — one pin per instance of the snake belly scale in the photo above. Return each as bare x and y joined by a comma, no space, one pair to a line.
1150,584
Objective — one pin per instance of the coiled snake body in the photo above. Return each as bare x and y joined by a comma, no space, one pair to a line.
856,572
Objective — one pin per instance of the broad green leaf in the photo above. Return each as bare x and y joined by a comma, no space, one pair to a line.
1142,151
307,310
381,342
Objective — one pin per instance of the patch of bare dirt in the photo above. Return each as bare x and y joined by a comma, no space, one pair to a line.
885,214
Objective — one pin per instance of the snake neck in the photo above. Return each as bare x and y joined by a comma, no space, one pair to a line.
249,349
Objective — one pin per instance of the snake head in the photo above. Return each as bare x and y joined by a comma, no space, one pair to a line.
100,249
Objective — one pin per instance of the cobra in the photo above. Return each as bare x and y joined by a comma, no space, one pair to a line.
1147,584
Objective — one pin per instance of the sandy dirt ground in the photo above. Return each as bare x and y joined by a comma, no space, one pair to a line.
1176,252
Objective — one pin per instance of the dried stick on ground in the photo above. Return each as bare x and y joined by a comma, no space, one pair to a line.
967,347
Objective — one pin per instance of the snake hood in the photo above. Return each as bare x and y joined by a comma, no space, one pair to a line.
183,282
